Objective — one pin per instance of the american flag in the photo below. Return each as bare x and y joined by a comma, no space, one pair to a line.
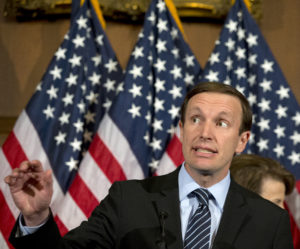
161,69
133,135
242,58
60,120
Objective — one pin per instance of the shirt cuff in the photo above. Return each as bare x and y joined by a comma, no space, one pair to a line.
26,230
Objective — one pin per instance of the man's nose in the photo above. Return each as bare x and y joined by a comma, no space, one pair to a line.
206,130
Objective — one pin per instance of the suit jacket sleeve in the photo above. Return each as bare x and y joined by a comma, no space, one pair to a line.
283,238
128,218
99,232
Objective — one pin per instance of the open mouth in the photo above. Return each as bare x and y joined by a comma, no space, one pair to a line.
204,151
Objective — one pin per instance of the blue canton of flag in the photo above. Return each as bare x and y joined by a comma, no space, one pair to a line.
160,69
77,89
243,59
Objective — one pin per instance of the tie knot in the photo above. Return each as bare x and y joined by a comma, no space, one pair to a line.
201,194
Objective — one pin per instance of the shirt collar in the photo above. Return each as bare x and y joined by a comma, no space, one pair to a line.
187,184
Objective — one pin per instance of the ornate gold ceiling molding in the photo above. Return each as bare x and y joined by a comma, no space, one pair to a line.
128,10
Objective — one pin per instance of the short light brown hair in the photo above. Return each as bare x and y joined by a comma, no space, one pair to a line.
250,170
216,87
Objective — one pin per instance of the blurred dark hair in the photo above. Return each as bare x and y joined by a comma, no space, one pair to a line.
249,170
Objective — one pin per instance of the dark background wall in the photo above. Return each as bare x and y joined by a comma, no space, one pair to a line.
26,48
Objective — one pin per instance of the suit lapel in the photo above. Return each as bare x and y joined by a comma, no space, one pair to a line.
167,203
235,215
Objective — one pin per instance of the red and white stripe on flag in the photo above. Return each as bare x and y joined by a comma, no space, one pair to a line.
108,159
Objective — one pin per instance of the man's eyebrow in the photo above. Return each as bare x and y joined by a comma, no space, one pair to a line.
199,109
225,113
196,108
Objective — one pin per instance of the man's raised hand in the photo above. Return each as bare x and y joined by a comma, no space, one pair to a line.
31,188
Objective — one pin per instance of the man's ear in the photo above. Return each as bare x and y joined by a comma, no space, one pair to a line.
181,130
244,138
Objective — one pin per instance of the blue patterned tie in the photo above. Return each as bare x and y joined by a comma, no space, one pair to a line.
198,230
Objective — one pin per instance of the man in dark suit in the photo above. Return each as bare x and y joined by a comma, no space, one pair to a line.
155,213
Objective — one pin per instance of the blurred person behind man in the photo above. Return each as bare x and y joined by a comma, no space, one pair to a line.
264,176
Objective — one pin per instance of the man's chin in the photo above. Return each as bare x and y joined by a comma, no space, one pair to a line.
205,172
203,169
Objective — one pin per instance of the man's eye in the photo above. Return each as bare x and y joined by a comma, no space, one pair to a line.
222,124
196,120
